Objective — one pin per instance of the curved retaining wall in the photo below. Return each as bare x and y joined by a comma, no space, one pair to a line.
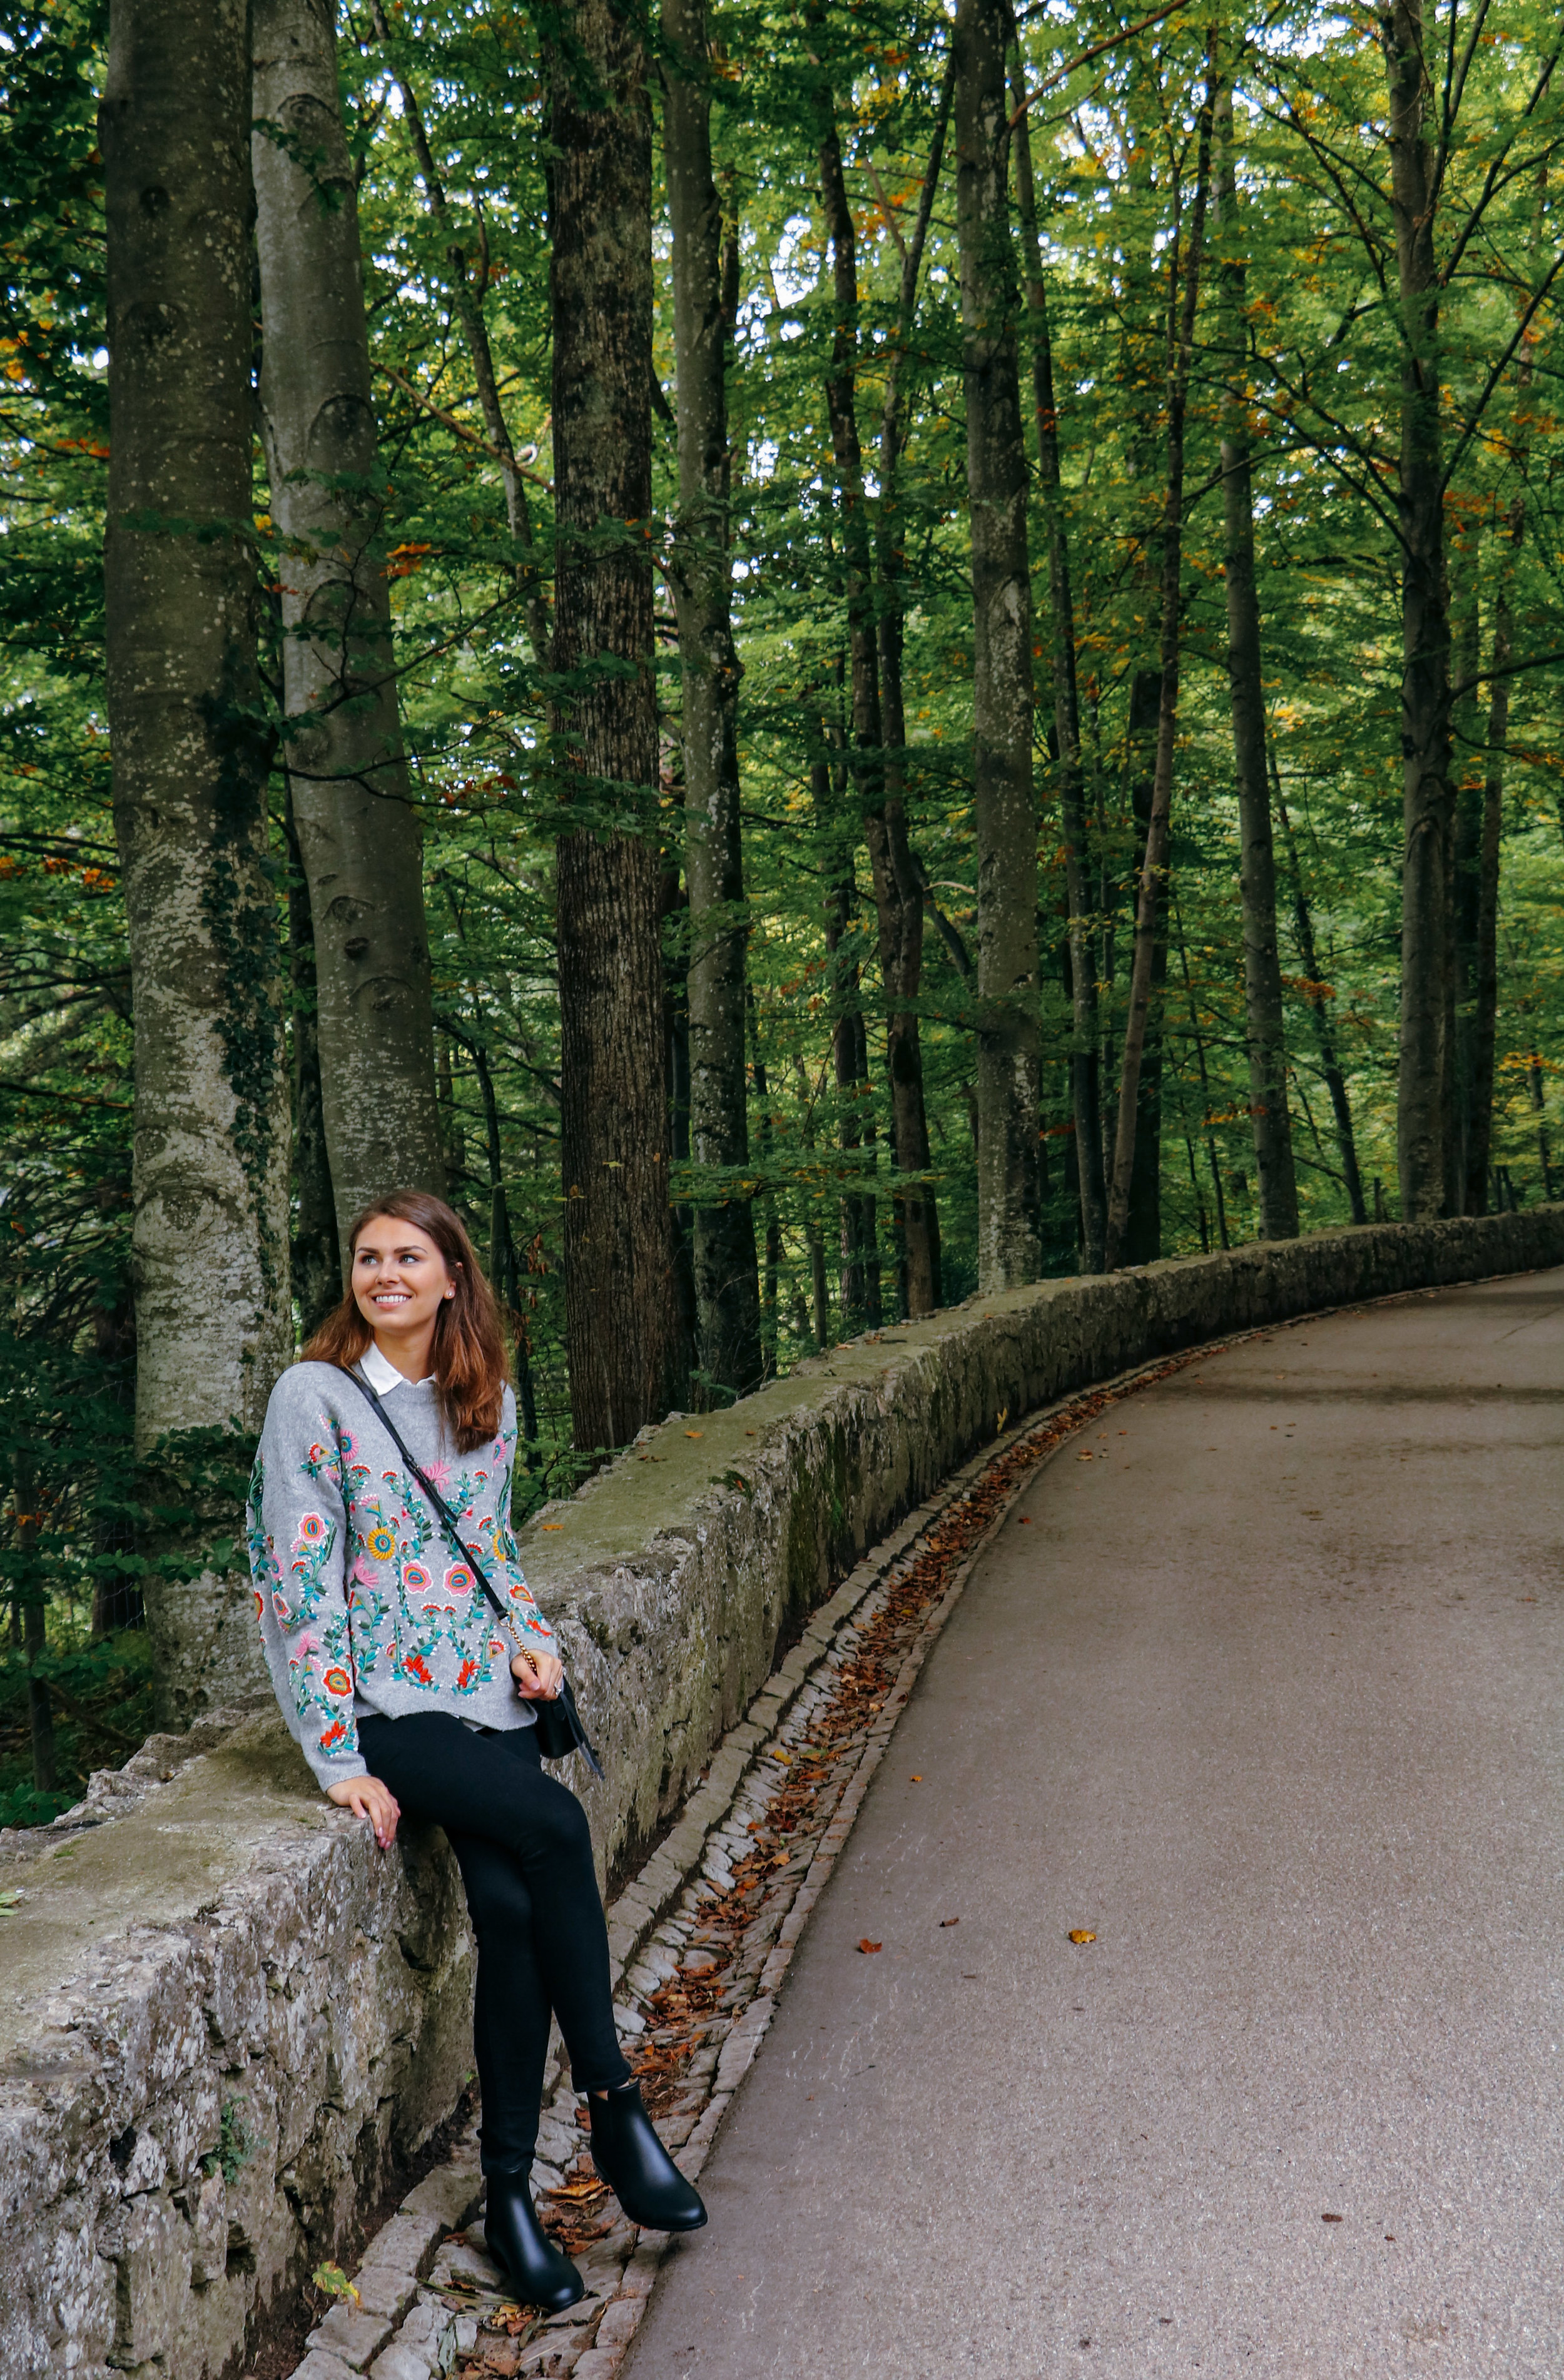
221,2014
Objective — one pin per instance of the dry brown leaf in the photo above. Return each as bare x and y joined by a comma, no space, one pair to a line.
865,1945
949,1920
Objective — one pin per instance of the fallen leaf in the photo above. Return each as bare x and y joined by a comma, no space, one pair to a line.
1025,1520
915,1780
579,2190
949,1920
333,2282
1333,2218
553,1524
10,1900
1080,1934
695,1433
865,1945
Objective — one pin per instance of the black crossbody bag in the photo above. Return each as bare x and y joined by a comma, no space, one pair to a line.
560,1730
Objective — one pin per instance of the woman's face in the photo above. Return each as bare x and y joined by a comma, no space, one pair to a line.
400,1279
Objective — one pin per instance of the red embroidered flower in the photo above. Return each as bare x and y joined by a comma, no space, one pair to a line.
336,1733
337,1681
466,1675
416,1667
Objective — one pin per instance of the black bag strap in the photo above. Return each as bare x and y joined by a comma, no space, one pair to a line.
564,1700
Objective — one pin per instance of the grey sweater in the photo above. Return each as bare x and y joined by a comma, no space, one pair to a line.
363,1604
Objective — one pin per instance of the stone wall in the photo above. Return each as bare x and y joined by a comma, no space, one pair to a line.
221,2011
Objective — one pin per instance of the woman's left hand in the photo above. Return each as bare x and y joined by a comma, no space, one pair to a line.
539,1676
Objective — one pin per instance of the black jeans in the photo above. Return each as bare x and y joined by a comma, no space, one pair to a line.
521,1843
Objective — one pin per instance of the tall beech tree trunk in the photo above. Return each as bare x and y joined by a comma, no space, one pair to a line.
1484,1003
316,1252
360,839
1085,1079
1464,848
1008,1242
898,881
1425,684
1319,997
726,1286
1183,292
622,1321
191,757
1264,1021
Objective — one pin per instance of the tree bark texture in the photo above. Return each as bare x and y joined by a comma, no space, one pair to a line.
1186,262
897,879
1319,998
359,837
1264,1016
1086,1078
1426,800
190,750
315,1248
621,1307
1009,1245
1485,988
727,1289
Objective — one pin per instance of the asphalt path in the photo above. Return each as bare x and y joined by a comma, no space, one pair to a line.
1265,1696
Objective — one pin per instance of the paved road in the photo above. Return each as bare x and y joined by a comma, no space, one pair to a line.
1266,1694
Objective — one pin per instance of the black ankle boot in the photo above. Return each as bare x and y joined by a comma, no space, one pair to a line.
518,2243
636,2167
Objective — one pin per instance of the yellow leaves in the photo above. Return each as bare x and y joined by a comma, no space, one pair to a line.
403,560
551,1525
695,1433
1083,1934
333,2282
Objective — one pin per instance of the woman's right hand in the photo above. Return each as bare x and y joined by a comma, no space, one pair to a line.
368,1798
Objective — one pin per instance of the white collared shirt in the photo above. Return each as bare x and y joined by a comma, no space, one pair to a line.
382,1375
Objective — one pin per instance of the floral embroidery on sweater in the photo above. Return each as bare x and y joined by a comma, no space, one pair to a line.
374,1601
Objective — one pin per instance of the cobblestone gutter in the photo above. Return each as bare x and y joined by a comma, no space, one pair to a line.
220,2013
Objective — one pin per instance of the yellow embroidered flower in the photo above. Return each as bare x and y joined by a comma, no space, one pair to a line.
380,1542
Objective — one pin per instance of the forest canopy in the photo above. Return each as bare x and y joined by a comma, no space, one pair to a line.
815,657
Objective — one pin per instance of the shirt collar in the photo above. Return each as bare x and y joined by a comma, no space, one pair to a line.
382,1375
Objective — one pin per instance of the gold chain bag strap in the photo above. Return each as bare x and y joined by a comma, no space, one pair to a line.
560,1730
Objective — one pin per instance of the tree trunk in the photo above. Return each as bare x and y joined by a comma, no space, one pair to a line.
1262,962
40,1708
1420,1118
1318,996
726,1287
315,1249
191,754
1180,342
1484,1004
1467,774
897,879
621,1311
359,837
860,1248
1085,1075
1009,1242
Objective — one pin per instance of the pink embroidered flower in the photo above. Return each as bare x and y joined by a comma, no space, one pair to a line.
281,1606
438,1474
311,1530
415,1578
459,1580
363,1570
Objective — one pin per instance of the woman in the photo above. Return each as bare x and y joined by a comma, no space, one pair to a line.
396,1677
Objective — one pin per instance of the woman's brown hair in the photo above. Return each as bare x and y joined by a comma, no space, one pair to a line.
469,1356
